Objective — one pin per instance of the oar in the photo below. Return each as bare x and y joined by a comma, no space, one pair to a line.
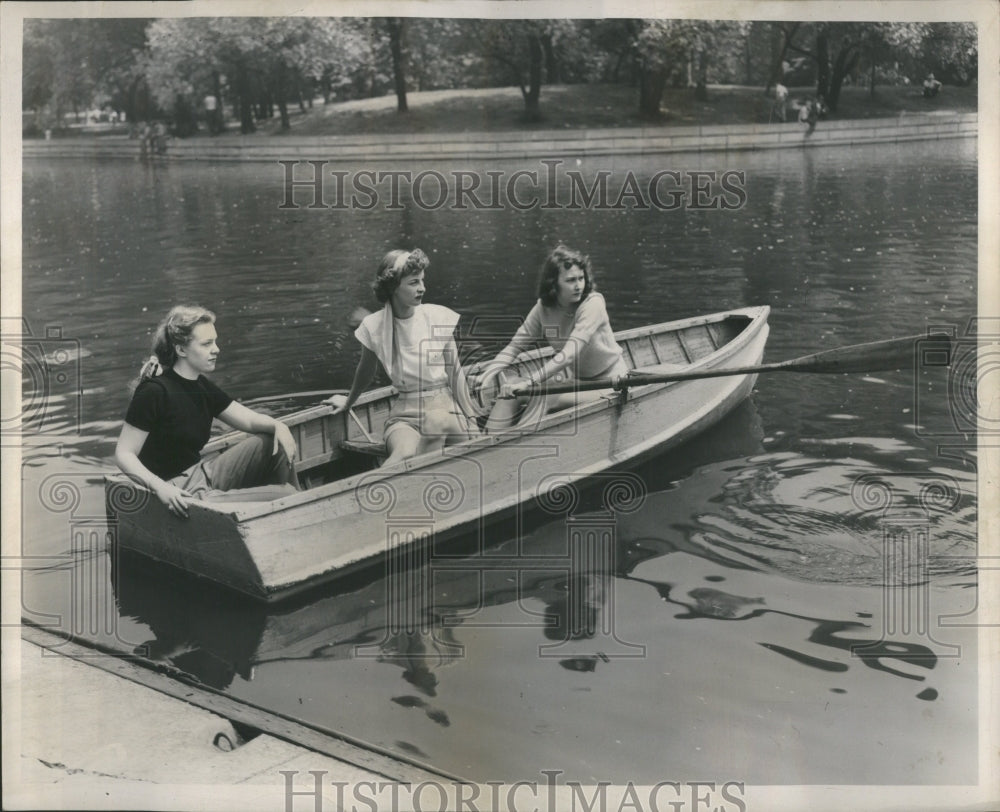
893,353
315,393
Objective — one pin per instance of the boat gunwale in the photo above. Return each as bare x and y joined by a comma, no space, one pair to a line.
242,512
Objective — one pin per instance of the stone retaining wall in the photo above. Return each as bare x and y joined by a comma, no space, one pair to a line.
534,145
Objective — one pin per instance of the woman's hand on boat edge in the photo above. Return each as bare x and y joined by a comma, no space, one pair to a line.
339,403
283,440
174,498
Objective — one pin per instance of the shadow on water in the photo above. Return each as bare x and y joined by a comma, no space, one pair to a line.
716,604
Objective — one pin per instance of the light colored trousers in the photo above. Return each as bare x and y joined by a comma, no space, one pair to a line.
245,472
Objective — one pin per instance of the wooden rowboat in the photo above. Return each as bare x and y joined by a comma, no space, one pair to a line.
216,635
353,514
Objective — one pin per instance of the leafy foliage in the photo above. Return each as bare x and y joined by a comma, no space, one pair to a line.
166,67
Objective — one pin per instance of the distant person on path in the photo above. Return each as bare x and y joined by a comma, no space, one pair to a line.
415,343
159,138
809,114
169,420
931,86
570,315
780,101
145,140
212,114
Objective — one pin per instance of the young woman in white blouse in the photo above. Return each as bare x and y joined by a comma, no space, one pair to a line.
415,344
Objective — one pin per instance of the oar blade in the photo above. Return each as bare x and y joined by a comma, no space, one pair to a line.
893,353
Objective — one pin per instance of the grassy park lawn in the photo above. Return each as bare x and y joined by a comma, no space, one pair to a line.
591,106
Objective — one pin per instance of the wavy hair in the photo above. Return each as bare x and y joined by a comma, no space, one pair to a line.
394,267
174,331
563,258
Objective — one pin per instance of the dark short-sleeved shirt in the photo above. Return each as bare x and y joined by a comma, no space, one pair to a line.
178,415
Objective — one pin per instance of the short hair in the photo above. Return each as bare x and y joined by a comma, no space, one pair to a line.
394,267
563,258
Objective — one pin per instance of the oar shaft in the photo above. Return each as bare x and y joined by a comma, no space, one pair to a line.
893,353
637,379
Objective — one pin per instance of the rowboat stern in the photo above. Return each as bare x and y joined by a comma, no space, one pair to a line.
209,542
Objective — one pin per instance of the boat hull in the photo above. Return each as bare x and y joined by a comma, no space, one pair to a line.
272,550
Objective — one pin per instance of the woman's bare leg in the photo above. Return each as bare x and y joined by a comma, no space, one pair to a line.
402,443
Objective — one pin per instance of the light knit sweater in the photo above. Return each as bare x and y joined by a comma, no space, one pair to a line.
581,336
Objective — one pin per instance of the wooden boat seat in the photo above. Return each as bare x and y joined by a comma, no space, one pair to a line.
377,450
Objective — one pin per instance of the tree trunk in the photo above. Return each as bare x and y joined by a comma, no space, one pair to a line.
847,58
551,61
823,64
245,102
651,85
747,62
279,92
701,72
617,68
532,105
777,73
247,124
132,101
396,27
220,120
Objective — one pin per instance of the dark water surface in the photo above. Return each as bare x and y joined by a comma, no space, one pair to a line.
774,615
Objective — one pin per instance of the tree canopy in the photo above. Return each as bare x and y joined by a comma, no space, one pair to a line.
257,66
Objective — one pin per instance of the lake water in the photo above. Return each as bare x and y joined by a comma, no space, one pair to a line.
772,616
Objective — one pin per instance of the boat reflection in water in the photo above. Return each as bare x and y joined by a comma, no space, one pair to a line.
406,612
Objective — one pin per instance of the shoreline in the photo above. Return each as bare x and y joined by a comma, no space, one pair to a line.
521,145
138,729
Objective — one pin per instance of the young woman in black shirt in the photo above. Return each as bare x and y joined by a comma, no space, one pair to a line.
170,416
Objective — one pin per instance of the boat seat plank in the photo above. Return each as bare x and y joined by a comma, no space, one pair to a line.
697,342
689,356
643,353
717,333
364,447
671,351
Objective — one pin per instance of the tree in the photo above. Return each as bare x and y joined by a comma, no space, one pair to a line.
74,64
517,46
679,51
885,46
950,50
397,27
840,48
783,38
613,48
265,60
662,50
